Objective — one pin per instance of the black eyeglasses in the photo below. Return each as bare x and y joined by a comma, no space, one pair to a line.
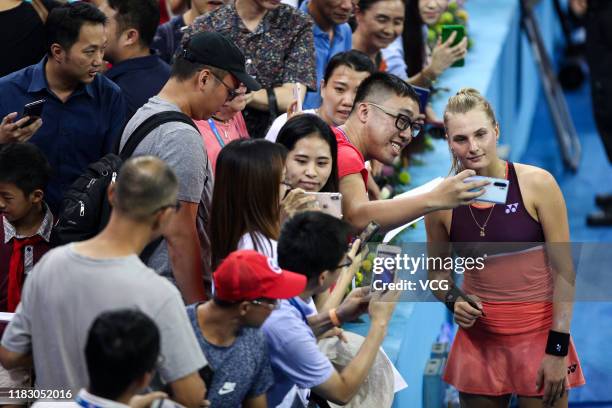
402,122
231,93
348,261
176,206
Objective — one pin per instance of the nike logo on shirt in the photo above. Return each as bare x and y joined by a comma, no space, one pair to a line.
227,388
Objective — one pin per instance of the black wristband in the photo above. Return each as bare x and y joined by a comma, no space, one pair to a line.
558,343
451,297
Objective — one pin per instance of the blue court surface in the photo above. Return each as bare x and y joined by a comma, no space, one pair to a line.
592,322
501,66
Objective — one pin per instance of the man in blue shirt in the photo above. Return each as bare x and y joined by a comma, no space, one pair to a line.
83,113
314,244
139,73
332,35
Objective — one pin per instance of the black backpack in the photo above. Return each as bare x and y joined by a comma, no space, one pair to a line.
85,209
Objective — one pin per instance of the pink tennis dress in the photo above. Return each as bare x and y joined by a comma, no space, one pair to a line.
502,352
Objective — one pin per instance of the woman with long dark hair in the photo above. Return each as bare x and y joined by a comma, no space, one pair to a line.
251,198
245,206
410,58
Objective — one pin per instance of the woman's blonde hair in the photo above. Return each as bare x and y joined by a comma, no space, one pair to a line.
464,101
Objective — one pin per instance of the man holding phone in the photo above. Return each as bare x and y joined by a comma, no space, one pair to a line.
83,112
314,244
18,130
382,122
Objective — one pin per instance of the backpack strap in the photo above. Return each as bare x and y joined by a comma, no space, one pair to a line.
137,136
150,124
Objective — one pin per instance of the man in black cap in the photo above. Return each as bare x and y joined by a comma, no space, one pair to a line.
206,74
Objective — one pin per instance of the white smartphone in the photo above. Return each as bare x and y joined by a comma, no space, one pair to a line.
495,192
330,203
297,96
384,264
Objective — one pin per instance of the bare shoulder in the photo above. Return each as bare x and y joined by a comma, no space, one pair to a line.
534,178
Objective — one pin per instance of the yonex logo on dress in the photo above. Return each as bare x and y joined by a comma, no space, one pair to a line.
511,208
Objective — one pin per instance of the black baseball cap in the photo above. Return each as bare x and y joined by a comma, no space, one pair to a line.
218,51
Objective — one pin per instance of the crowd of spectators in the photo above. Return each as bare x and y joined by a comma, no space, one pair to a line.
218,269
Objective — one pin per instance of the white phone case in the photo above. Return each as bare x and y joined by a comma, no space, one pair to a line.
495,192
330,203
297,97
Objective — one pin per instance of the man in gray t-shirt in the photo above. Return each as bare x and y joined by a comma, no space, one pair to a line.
205,75
181,147
73,284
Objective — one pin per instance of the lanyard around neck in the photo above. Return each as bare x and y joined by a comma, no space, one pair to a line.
213,127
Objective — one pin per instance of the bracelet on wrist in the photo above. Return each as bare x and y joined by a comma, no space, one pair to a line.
333,317
451,297
557,343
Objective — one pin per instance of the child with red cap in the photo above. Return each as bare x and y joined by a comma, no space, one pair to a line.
247,287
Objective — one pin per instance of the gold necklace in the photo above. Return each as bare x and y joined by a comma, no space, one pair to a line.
482,228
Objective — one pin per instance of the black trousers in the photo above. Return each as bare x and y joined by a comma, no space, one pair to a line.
599,58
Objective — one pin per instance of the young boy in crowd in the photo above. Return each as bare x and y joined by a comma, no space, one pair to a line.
25,229
248,286
122,352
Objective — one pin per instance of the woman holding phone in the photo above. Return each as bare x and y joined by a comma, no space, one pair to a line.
410,57
343,74
522,345
312,165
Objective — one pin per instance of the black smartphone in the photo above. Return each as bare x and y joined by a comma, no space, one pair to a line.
33,110
366,235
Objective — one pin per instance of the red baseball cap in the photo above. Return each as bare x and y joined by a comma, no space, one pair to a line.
249,275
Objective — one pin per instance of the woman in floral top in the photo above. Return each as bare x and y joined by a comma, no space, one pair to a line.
278,44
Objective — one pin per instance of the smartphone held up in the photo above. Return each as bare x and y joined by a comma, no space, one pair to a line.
447,30
34,111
